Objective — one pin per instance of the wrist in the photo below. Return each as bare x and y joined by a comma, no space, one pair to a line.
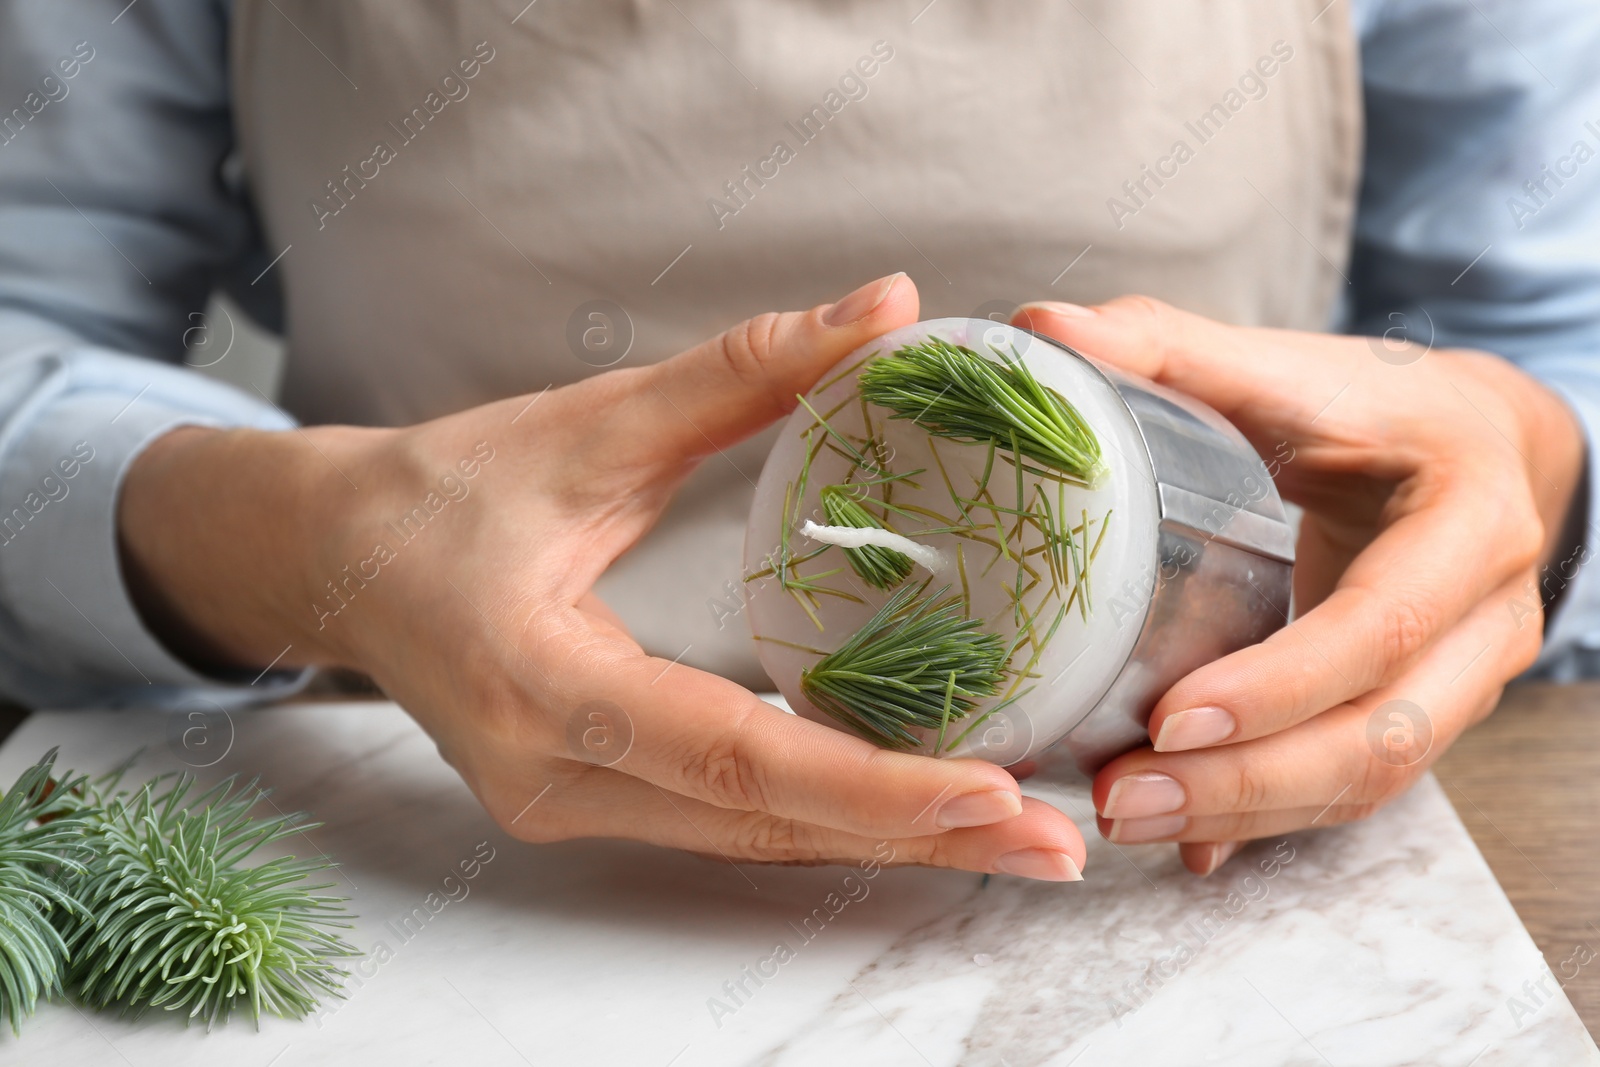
221,534
1556,450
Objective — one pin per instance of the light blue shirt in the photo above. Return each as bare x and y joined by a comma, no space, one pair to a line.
1478,225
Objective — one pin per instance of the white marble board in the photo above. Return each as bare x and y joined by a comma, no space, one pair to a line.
1383,943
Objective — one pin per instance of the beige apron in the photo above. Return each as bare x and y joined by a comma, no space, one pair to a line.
470,192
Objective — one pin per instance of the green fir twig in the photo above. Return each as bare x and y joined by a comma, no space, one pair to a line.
891,676
951,391
41,839
881,568
173,917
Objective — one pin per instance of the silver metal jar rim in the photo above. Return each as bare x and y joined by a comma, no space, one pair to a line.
1221,577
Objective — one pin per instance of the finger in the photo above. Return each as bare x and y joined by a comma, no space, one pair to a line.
1206,857
1420,578
1449,551
1346,755
720,392
1280,375
1024,770
702,736
604,620
1040,842
1237,827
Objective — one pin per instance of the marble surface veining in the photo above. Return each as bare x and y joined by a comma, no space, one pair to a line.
1382,943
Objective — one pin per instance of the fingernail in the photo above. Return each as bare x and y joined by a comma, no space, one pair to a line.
978,809
1041,864
1220,853
1195,728
1136,795
1139,831
1059,308
861,303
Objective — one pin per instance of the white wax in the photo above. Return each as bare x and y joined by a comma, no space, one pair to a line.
1078,664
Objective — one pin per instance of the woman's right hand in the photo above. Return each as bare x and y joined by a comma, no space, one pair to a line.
483,625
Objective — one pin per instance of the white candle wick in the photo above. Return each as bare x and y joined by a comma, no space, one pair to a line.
925,556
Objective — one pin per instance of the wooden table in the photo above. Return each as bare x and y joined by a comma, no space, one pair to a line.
1526,783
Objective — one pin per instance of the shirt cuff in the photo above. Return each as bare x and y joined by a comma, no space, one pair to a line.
76,638
1572,631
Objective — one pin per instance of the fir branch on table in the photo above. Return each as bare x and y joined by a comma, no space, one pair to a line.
41,837
895,673
175,920
952,391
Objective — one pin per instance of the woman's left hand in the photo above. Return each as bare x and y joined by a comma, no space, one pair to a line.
1435,485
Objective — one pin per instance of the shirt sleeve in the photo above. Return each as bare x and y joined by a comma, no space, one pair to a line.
1479,220
116,222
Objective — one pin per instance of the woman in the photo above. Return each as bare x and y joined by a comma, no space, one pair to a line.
490,227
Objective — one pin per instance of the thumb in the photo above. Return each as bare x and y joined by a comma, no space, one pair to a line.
720,392
1242,372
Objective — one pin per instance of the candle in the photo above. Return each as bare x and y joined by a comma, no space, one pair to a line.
973,541
934,574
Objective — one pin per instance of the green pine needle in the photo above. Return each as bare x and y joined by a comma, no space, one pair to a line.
175,920
895,673
41,836
879,567
952,391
